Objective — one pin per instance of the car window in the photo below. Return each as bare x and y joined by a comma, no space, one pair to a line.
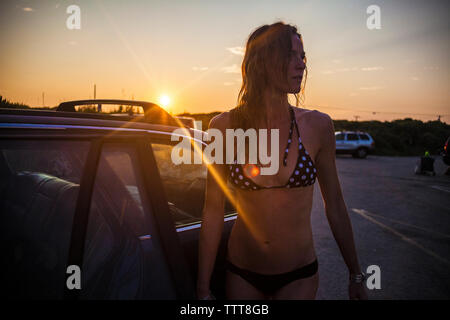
363,136
340,136
352,137
64,160
184,185
39,187
123,258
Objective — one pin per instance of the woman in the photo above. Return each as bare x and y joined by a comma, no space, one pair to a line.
270,250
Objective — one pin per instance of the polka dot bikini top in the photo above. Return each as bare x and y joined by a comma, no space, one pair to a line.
304,173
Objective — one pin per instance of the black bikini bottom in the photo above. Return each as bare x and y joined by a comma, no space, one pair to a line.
270,283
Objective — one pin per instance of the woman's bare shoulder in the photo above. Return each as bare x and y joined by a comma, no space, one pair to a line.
220,121
315,117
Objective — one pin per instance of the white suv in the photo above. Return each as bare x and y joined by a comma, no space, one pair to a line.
358,144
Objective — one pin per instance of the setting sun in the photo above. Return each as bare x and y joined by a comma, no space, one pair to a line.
164,100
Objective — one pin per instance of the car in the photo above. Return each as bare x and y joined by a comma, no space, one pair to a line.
99,194
187,122
357,143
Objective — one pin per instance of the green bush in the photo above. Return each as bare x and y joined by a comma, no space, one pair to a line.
404,137
12,105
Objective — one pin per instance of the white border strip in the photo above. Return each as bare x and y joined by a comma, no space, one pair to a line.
198,225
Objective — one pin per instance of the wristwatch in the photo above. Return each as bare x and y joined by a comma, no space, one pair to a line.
210,296
357,277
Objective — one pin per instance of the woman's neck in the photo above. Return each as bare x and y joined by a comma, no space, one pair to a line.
277,107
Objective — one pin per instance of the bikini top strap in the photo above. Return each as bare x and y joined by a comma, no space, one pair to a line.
291,109
290,137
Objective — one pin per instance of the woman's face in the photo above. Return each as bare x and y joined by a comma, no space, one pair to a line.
296,66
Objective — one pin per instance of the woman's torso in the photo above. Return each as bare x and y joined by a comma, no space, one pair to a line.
272,233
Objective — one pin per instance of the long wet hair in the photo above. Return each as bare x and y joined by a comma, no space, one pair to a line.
265,62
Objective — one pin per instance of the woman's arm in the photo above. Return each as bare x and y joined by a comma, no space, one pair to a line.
212,223
335,208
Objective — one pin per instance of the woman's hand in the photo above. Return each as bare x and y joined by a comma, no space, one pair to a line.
357,291
204,294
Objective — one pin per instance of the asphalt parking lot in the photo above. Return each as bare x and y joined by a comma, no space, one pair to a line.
401,223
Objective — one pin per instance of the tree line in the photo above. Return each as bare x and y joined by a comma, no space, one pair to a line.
404,137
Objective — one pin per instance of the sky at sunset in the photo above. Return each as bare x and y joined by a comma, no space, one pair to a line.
191,51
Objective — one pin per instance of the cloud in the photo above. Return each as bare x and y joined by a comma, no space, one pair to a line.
231,69
431,68
372,68
240,51
415,78
72,43
336,61
374,88
199,68
347,69
228,83
27,9
343,70
339,70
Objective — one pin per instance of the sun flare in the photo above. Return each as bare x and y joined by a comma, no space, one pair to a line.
164,100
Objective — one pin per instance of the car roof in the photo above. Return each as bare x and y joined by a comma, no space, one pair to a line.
50,118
